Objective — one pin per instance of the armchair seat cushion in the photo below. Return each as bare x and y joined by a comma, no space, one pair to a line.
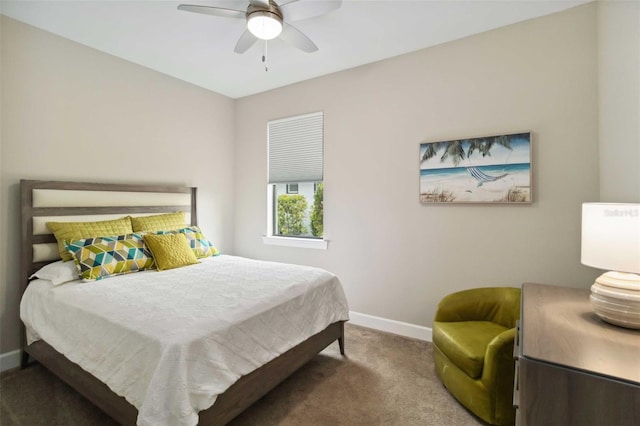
465,343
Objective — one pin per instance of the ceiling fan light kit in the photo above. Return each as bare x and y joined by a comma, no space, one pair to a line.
264,25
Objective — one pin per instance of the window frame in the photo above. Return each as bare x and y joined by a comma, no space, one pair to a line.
292,191
278,240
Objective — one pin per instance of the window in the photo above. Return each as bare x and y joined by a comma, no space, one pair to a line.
295,187
292,188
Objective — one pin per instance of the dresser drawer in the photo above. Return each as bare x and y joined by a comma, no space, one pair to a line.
554,395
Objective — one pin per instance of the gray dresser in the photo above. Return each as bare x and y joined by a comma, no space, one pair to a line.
572,368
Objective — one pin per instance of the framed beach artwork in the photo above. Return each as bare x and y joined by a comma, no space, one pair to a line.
491,169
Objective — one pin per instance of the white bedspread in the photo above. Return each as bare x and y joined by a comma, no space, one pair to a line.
171,341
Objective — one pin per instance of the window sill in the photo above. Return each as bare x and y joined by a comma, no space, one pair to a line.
296,242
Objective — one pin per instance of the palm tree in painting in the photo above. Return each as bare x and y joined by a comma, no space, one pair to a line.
455,149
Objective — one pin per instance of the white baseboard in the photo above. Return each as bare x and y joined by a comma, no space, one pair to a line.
9,360
391,326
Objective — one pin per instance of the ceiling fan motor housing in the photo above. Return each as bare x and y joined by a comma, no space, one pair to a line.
273,10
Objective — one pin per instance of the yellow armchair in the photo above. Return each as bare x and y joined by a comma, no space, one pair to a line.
473,336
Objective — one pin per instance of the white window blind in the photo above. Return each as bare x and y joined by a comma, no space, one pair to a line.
295,149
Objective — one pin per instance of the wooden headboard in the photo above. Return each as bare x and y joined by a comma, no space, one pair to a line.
43,201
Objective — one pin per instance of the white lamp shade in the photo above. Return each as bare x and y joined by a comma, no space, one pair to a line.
611,236
264,25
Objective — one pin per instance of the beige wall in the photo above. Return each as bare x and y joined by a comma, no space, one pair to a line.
619,94
72,113
396,257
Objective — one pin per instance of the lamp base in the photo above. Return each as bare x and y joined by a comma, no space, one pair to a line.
615,297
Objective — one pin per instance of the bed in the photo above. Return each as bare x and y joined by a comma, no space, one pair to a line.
229,364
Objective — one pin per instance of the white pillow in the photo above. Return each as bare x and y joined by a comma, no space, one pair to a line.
57,272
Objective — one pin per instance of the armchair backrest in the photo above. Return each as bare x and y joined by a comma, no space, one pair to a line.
496,304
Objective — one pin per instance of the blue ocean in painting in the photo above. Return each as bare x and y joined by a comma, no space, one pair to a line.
493,170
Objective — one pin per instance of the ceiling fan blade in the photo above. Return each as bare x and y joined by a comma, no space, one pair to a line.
294,37
215,11
260,3
245,41
298,10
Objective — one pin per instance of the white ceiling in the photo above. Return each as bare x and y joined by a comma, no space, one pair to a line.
199,48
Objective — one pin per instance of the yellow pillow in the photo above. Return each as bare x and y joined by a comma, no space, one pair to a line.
159,222
170,250
79,230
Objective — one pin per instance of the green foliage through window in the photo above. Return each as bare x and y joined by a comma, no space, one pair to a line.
317,211
291,213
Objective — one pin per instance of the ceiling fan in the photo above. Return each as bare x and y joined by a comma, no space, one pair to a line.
267,20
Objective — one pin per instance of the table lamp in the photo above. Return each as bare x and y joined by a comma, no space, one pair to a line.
611,241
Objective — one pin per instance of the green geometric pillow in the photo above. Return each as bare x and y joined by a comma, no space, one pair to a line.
197,241
104,257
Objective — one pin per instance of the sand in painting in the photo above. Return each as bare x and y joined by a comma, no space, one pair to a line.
458,185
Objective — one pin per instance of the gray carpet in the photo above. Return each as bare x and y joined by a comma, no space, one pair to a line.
383,380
